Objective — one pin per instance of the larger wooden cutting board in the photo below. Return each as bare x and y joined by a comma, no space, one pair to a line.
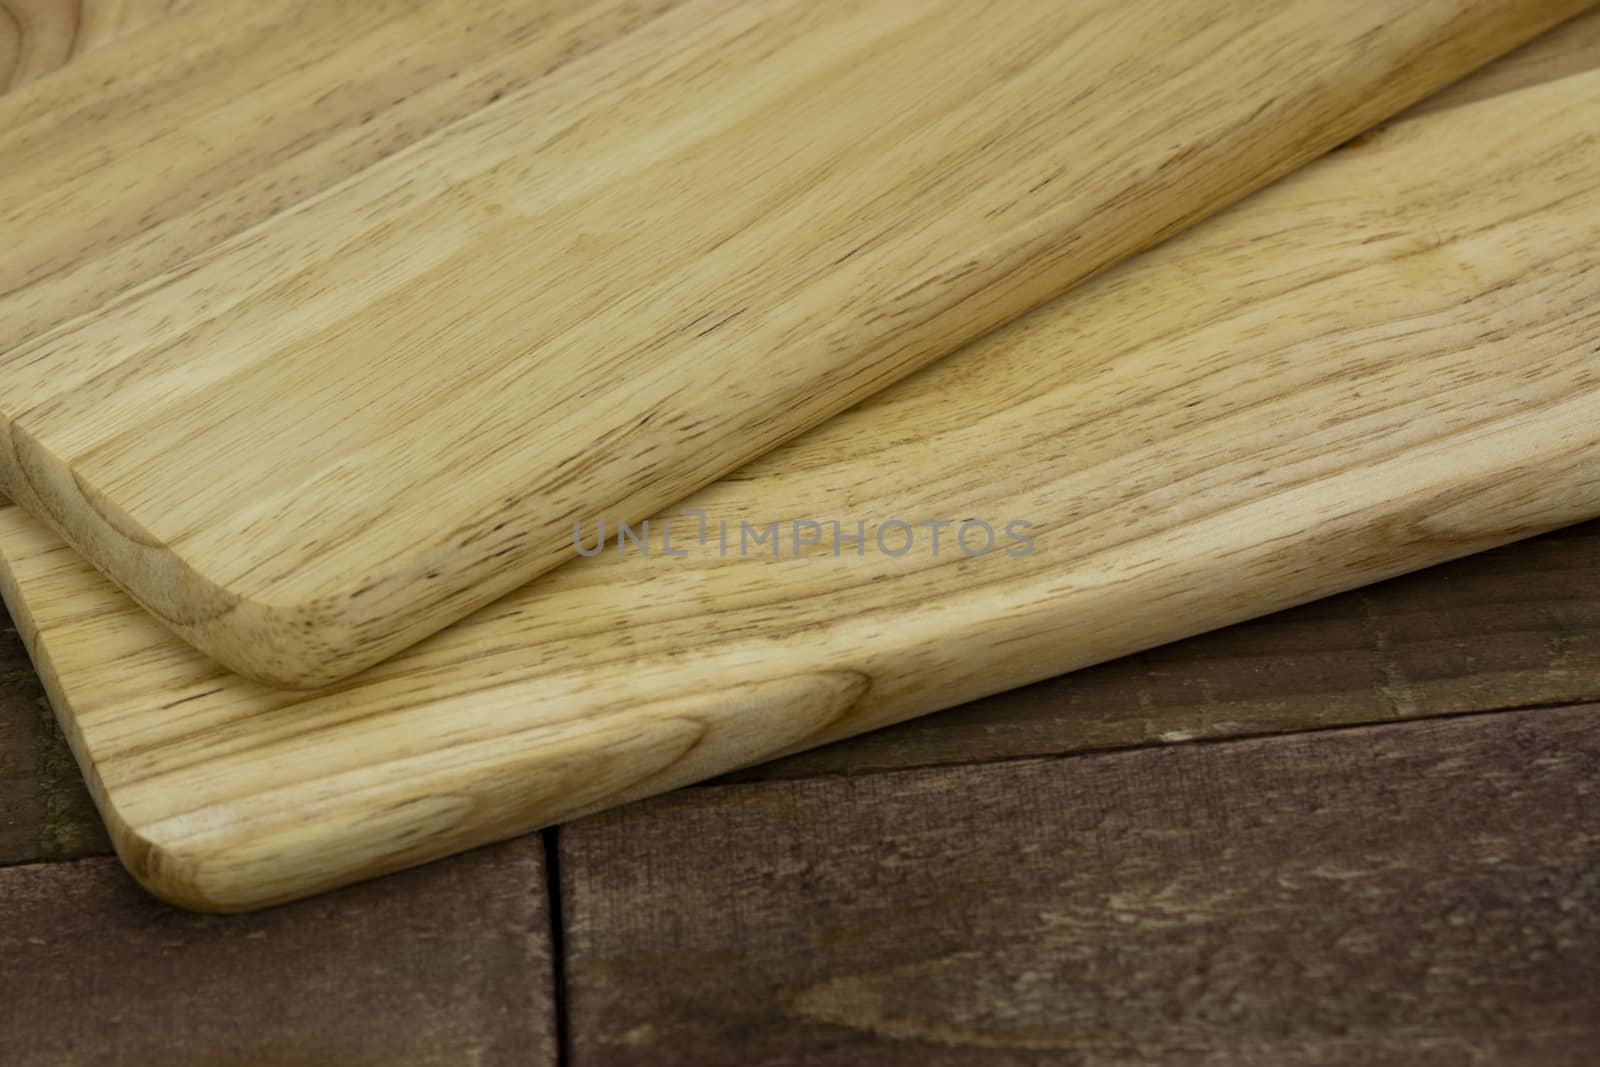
363,399
1385,361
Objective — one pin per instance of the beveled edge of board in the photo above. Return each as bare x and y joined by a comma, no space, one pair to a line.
163,582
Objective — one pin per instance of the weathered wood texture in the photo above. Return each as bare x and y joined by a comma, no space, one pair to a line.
445,964
1412,894
41,36
318,442
1372,367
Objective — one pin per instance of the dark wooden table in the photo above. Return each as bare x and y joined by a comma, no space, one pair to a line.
1363,831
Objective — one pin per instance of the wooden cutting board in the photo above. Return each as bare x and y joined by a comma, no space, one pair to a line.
1385,361
365,398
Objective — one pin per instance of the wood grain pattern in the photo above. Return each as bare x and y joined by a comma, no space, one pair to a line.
1571,48
45,812
1415,894
41,36
1516,627
324,92
1380,366
312,444
447,964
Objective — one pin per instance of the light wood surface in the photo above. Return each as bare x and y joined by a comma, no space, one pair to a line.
1570,48
1377,364
40,36
449,961
309,442
46,811
1515,627
1413,895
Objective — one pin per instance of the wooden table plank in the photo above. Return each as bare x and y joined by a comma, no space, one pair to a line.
1420,893
448,964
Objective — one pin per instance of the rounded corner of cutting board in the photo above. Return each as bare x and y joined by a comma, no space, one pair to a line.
215,878
293,644
266,630
171,875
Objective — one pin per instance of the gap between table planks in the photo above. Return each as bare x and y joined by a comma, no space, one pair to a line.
280,792
307,444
